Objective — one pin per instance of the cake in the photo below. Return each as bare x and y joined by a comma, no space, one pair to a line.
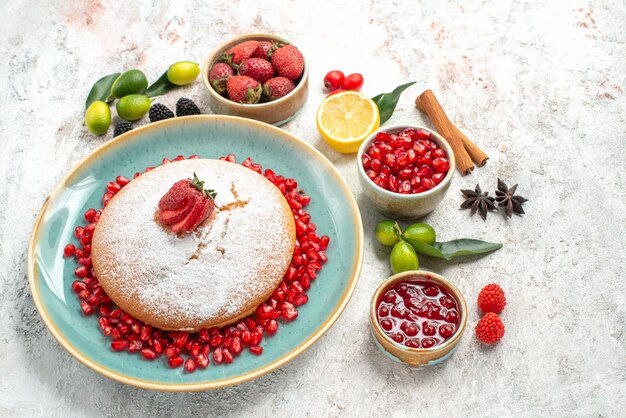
209,277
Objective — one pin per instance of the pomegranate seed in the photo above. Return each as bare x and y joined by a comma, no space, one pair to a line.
89,214
105,311
119,345
264,311
135,346
441,164
301,300
93,300
290,314
175,362
255,338
78,286
216,341
271,327
365,160
202,361
256,350
87,309
157,346
148,354
122,181
195,349
218,356
203,336
236,346
190,365
85,261
171,351
146,330
405,187
205,351
81,272
228,357
107,198
69,250
427,183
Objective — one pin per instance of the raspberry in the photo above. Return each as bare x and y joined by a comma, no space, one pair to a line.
490,328
491,299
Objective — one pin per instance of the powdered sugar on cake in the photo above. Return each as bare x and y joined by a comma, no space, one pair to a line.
240,251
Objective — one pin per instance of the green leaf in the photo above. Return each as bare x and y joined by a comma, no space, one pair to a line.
455,248
101,90
161,86
387,102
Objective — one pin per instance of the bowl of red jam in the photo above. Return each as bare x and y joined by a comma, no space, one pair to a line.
405,170
418,317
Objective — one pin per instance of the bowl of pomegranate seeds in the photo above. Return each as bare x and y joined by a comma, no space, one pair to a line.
257,76
418,318
405,170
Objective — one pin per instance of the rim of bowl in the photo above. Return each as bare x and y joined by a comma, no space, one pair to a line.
426,275
212,58
400,127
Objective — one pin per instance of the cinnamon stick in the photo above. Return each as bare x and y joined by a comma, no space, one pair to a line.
427,103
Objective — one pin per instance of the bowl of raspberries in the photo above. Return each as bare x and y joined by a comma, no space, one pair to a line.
257,76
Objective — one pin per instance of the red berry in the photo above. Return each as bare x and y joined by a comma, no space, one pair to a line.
491,299
353,82
490,328
334,80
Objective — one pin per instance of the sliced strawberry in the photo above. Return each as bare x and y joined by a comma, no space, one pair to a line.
177,197
170,217
186,205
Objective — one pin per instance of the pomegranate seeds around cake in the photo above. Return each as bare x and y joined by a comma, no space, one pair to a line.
193,351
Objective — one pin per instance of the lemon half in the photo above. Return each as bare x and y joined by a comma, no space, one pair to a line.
346,119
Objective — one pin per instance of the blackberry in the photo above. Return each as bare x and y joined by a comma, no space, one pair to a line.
159,111
186,107
122,127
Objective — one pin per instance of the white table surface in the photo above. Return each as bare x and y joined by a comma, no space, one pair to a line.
538,85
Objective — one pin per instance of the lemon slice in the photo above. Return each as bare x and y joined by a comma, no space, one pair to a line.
345,119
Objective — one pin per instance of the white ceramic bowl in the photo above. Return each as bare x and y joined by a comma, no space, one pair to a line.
405,206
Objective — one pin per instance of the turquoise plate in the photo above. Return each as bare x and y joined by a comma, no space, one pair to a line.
332,208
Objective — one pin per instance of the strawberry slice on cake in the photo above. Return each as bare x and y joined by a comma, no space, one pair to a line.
185,205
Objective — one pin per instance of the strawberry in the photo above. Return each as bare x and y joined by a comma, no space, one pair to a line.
219,75
258,68
186,205
239,52
277,87
288,62
243,89
265,50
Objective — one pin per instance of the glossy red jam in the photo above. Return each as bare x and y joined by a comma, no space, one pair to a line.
406,162
418,313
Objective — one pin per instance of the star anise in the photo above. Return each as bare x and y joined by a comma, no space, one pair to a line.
507,199
478,201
